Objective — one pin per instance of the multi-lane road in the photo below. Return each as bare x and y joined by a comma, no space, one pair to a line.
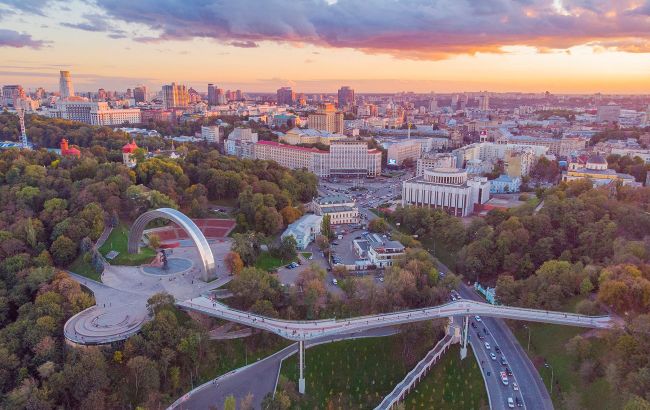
532,393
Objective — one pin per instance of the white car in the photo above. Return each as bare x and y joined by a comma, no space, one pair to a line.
487,345
493,356
511,403
478,318
335,282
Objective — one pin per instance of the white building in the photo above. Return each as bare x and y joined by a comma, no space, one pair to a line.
383,253
446,188
402,151
435,161
293,157
241,142
297,136
353,158
211,133
341,209
304,230
95,113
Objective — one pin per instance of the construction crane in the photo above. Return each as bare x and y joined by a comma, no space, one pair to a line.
23,133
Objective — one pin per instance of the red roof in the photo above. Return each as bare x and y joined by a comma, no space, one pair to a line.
130,147
277,144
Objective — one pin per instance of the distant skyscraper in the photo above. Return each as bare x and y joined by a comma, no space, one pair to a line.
129,93
175,96
484,102
326,118
286,96
101,95
454,102
433,104
10,93
212,94
140,94
66,90
346,97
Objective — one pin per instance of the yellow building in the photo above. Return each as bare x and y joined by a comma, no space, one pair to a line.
596,170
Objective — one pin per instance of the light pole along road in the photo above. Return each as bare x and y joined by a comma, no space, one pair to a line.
308,330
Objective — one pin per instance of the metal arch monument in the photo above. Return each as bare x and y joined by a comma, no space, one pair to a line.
205,253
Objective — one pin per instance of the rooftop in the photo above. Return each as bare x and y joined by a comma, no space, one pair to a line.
292,147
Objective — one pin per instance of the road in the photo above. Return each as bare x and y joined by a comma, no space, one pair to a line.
532,391
258,378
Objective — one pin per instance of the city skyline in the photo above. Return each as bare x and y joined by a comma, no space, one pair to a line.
564,46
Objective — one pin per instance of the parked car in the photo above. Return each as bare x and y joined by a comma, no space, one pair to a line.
335,282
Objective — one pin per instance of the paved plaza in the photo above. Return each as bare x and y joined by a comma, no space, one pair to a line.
121,297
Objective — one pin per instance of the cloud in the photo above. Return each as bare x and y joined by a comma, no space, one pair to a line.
244,44
27,6
418,29
11,38
98,24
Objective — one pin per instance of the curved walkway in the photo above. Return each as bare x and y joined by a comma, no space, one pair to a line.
307,330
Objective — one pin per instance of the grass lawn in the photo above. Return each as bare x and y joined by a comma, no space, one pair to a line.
350,374
547,342
268,262
451,384
306,255
118,241
81,267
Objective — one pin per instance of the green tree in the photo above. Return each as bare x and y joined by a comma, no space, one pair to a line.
63,250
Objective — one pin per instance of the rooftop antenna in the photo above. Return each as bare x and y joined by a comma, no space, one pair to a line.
23,133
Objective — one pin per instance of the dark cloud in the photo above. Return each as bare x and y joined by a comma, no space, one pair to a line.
412,28
11,38
244,44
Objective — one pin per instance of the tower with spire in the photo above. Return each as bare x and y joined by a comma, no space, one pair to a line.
128,152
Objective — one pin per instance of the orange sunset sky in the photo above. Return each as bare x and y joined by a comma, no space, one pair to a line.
570,46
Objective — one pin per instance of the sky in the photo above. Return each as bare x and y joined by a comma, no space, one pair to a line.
561,46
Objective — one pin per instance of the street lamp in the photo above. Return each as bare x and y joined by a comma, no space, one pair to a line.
547,365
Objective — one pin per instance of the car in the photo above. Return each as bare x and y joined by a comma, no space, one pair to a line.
381,279
511,403
473,325
289,266
503,361
519,403
478,318
487,345
504,378
480,336
493,356
453,298
496,347
515,386
485,331
458,297
335,282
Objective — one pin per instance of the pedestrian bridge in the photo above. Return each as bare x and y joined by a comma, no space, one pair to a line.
307,330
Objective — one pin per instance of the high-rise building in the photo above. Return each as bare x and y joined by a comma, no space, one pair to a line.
129,93
66,90
211,133
221,96
454,102
212,94
346,97
484,102
175,96
326,118
101,95
140,94
433,104
286,96
11,93
194,95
